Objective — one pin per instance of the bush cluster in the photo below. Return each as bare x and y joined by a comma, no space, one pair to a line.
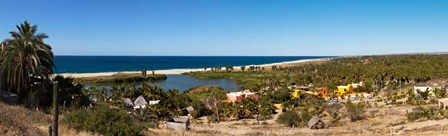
355,111
429,113
103,120
289,118
134,79
294,119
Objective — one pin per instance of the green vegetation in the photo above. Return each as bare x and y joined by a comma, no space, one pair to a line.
171,101
120,78
71,95
102,119
334,111
203,92
355,111
305,107
427,113
289,118
244,78
376,71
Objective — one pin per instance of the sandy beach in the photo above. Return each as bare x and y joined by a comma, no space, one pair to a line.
180,71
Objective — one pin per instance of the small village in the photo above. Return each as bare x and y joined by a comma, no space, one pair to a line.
341,94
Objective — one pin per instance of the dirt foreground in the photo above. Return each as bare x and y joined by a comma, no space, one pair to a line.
384,120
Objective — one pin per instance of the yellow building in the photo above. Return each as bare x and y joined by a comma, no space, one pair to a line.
344,89
295,94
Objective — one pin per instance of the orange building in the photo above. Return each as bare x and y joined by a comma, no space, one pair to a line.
239,96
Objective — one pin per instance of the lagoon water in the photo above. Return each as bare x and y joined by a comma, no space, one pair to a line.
184,82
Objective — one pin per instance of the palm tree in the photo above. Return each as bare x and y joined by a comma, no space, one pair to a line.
26,56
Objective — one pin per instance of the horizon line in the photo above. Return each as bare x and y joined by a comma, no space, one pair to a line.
189,56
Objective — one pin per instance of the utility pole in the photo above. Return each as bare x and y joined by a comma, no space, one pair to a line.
55,108
1,81
1,51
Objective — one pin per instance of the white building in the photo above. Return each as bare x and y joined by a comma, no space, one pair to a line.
419,89
140,103
423,88
154,102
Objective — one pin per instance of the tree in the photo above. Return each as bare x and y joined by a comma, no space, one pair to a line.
25,57
70,93
212,103
229,68
274,68
144,72
243,68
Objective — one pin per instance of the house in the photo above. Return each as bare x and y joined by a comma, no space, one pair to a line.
279,107
140,103
9,98
154,102
128,102
304,88
188,110
295,94
358,85
349,88
366,95
323,91
316,123
239,96
420,89
179,124
423,88
344,89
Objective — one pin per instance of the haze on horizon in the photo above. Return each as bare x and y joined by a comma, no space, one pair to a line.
234,27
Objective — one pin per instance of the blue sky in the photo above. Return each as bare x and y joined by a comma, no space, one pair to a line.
234,27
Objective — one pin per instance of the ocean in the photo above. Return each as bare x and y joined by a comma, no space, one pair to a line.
97,64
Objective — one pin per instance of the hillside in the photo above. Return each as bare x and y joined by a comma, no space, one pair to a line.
16,120
20,121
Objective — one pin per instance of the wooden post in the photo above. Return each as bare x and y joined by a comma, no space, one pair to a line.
50,130
55,108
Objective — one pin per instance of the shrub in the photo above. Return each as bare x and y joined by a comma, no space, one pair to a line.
355,111
439,93
266,109
295,119
102,119
289,118
422,112
334,111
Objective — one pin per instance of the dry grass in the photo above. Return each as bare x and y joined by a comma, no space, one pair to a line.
67,131
20,121
388,121
16,120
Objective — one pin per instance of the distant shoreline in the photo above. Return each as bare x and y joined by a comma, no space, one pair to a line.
181,71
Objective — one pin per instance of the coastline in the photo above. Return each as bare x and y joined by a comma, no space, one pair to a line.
181,71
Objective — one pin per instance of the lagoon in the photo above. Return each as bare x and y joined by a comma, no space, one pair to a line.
185,82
